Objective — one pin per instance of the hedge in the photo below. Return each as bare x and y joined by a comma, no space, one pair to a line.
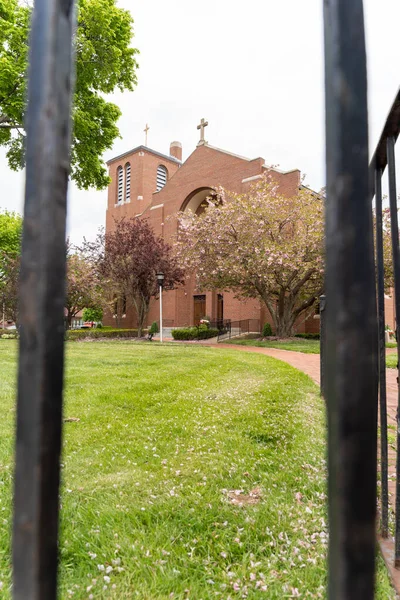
84,334
308,336
8,334
194,333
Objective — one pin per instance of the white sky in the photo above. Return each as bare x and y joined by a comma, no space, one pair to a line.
253,70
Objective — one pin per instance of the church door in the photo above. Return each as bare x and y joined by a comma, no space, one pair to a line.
199,308
220,308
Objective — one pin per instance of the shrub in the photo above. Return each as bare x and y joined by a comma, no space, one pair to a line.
82,334
154,328
267,330
308,336
194,333
92,314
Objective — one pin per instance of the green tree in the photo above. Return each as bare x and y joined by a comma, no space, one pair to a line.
93,314
105,62
10,233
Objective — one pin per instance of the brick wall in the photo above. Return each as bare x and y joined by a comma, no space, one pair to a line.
206,168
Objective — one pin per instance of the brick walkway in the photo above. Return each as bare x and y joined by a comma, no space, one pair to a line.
309,364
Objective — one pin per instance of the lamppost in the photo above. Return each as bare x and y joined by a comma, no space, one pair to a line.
160,281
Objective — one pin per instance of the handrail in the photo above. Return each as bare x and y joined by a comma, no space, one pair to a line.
390,129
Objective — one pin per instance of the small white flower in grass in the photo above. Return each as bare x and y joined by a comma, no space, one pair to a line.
116,562
91,597
92,555
100,567
224,554
89,587
252,576
109,570
106,579
236,587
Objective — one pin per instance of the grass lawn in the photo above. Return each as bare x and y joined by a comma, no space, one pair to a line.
295,344
391,361
193,473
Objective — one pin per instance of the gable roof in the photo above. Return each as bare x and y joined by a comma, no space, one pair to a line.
145,149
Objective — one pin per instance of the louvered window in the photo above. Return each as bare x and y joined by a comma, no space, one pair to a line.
127,182
161,177
120,184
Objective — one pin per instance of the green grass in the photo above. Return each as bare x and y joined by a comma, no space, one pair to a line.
391,361
295,344
170,440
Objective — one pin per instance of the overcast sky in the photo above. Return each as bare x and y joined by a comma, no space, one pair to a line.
254,70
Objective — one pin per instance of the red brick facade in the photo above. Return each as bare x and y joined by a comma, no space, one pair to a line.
187,185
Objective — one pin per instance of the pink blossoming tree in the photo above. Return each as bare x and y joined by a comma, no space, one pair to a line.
260,244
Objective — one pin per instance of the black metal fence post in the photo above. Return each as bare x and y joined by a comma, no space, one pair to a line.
382,356
396,272
351,382
322,342
42,283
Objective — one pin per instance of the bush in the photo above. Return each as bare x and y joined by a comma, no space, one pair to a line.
308,336
267,330
154,328
194,333
83,334
92,314
8,336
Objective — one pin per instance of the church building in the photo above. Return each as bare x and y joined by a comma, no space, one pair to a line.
149,184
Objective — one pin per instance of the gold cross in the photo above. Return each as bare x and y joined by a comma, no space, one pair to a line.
146,129
203,124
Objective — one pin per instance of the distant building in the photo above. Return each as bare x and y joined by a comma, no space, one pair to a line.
149,184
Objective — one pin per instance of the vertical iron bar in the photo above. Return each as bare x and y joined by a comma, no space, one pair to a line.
396,271
351,378
322,342
382,355
41,303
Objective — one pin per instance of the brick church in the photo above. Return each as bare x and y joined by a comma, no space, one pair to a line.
149,184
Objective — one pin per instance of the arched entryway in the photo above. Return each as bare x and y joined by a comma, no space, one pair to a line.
196,200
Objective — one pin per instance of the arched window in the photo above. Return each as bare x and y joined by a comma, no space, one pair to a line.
120,185
127,182
162,175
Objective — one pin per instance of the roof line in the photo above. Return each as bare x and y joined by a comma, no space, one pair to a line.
145,149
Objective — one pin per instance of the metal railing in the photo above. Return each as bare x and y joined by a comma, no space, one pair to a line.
236,328
353,321
351,324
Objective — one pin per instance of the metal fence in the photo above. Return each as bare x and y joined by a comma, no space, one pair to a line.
236,328
353,319
351,324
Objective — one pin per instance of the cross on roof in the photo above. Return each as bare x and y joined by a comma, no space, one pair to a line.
202,126
146,129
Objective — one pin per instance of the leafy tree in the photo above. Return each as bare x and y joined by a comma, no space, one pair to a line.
259,245
10,248
9,276
93,314
83,288
127,261
105,62
10,232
